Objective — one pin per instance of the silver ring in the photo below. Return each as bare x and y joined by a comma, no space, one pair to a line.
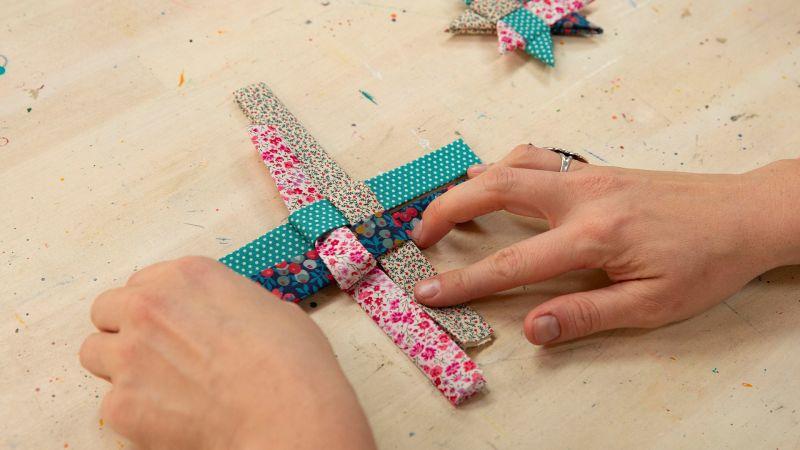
565,161
566,157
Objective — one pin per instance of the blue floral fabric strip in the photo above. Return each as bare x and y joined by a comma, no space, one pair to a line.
297,278
305,274
574,24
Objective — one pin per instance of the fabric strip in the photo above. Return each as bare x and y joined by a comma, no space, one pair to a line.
575,24
295,279
317,219
467,327
535,32
429,172
551,11
352,198
433,351
267,250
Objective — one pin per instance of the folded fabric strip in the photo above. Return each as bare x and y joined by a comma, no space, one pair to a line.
303,275
447,366
525,24
573,25
535,32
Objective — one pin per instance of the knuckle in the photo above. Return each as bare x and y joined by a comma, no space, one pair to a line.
117,408
597,183
584,316
507,263
85,352
143,307
434,210
127,350
652,313
520,152
195,266
459,281
597,229
499,180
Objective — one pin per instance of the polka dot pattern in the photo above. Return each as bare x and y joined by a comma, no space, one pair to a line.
316,219
411,180
535,31
273,247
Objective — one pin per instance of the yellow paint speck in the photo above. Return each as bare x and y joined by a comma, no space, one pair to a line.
181,79
101,422
747,385
61,179
19,319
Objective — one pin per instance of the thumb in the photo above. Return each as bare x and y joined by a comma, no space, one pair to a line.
580,314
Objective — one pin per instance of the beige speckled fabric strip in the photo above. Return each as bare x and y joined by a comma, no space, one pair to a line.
406,264
353,198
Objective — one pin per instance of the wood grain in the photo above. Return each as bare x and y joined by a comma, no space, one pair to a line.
111,163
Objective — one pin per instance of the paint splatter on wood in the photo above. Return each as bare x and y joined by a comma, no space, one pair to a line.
368,96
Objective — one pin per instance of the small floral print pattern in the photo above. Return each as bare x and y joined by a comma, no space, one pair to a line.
508,40
385,231
347,260
444,363
551,11
353,198
286,169
295,279
465,325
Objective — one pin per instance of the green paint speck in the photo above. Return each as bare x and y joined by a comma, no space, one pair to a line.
714,370
2,70
30,109
368,96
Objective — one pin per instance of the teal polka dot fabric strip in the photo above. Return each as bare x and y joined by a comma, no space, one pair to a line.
411,180
273,247
535,31
317,219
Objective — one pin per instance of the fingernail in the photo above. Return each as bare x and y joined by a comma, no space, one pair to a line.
476,169
427,289
546,328
416,232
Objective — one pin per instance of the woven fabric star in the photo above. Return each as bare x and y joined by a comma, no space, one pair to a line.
525,24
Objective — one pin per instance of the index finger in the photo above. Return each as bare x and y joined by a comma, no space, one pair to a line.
535,259
527,192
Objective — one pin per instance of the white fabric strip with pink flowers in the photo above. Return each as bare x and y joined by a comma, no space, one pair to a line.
444,363
508,40
286,169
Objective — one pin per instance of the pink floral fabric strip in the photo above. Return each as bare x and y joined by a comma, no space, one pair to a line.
551,11
286,169
435,353
508,40
346,258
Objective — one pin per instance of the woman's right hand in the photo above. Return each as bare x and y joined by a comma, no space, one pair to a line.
674,244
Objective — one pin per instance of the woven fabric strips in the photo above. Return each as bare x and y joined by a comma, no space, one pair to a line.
338,227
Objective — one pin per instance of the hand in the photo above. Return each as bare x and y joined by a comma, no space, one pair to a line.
674,244
200,357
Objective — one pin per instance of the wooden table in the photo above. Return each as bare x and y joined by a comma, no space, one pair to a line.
120,145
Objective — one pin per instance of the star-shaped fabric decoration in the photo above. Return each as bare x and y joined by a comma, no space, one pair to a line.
525,24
